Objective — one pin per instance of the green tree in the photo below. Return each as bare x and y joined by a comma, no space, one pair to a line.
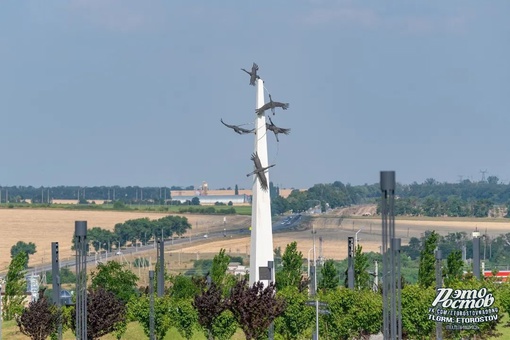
279,205
224,326
219,267
195,201
236,190
426,271
183,287
15,286
352,314
413,249
504,297
184,317
454,267
330,277
361,275
416,301
290,274
297,317
481,207
119,205
139,310
39,319
114,278
492,179
20,246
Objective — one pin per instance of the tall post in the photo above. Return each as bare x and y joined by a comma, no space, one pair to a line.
396,290
151,311
261,226
316,332
1,312
270,333
80,232
161,268
350,262
55,274
387,181
439,284
476,254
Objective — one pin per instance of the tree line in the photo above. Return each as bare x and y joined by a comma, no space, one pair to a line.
431,198
140,230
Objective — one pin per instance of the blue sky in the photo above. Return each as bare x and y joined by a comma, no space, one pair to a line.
124,92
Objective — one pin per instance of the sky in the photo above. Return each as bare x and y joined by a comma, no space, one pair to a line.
125,92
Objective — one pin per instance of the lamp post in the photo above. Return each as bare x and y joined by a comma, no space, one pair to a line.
1,312
315,287
356,240
308,261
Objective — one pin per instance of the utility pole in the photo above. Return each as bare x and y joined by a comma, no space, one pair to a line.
316,333
151,312
55,273
476,253
350,263
1,312
439,284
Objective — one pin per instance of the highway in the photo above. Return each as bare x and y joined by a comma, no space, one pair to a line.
282,225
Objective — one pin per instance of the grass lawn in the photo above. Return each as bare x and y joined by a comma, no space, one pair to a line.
134,331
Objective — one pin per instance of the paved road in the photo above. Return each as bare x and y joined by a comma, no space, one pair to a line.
287,223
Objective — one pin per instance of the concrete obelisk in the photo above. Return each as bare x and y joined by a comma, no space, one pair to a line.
261,251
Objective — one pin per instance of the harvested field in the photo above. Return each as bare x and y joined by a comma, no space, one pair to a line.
45,226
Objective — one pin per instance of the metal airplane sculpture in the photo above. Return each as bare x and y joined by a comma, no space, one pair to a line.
260,171
276,130
253,73
237,128
271,105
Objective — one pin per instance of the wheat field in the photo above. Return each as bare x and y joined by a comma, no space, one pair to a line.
45,226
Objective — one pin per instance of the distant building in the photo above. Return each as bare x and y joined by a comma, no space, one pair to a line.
237,269
212,199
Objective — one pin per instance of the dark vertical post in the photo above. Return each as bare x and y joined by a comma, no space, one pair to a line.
439,284
161,269
387,182
270,332
350,262
396,289
80,232
151,312
476,257
55,274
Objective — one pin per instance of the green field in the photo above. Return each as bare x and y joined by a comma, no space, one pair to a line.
175,209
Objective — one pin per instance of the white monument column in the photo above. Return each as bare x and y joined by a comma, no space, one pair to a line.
261,251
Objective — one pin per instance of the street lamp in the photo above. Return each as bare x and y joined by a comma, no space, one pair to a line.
308,261
1,312
315,287
356,240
